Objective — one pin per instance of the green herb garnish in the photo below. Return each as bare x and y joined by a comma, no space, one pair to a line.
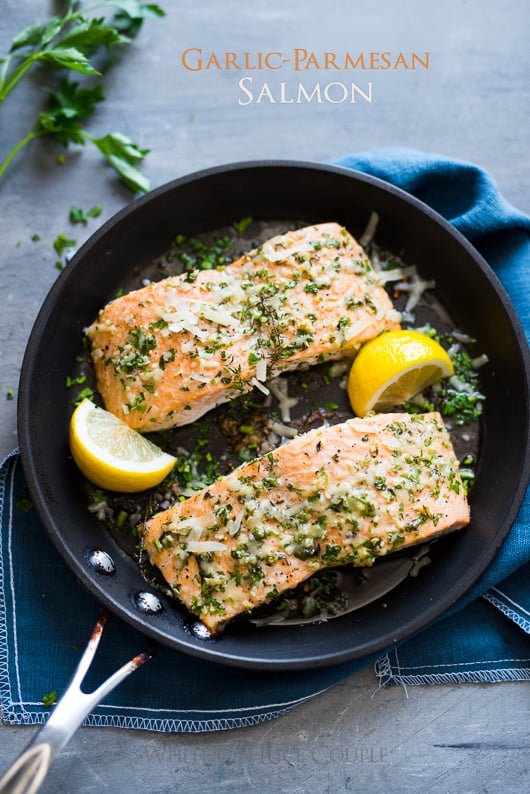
63,243
77,215
75,41
49,699
243,224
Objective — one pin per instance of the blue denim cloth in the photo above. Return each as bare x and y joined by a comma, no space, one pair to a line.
46,617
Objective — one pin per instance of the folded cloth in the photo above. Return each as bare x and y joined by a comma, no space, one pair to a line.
469,199
46,617
476,645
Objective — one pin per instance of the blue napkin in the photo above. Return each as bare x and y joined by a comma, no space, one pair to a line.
46,617
469,199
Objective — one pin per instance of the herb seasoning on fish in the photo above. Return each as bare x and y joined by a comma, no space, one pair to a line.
296,300
318,501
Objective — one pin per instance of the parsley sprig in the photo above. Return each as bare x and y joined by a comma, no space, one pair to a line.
74,42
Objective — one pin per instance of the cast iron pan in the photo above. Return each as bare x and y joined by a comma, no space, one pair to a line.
273,190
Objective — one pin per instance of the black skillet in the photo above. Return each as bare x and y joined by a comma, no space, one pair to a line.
213,199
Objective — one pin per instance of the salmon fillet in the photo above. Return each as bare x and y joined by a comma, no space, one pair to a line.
337,495
167,353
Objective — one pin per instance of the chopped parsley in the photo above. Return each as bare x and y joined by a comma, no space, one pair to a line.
195,254
242,225
77,215
459,397
63,243
49,699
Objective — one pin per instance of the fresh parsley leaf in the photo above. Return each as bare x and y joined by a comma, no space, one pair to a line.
69,42
122,154
74,102
139,10
89,34
131,15
51,30
29,37
37,35
65,130
66,104
69,58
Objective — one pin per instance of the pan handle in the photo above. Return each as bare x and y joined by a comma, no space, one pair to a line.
27,773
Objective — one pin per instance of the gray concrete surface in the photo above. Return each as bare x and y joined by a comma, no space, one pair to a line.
472,103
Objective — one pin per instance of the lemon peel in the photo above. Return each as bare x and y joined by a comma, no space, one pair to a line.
111,454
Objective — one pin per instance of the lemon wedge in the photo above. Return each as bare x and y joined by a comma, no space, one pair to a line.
113,455
393,368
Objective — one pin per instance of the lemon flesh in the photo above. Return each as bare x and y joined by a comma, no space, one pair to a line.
393,368
111,454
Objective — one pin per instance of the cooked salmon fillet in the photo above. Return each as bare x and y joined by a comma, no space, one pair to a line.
337,495
167,353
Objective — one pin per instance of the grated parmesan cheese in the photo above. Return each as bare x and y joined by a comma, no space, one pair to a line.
261,370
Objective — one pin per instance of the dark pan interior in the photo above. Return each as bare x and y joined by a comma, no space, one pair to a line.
275,190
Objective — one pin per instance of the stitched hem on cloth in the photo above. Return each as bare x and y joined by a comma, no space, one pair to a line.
386,670
165,725
391,671
517,613
5,684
